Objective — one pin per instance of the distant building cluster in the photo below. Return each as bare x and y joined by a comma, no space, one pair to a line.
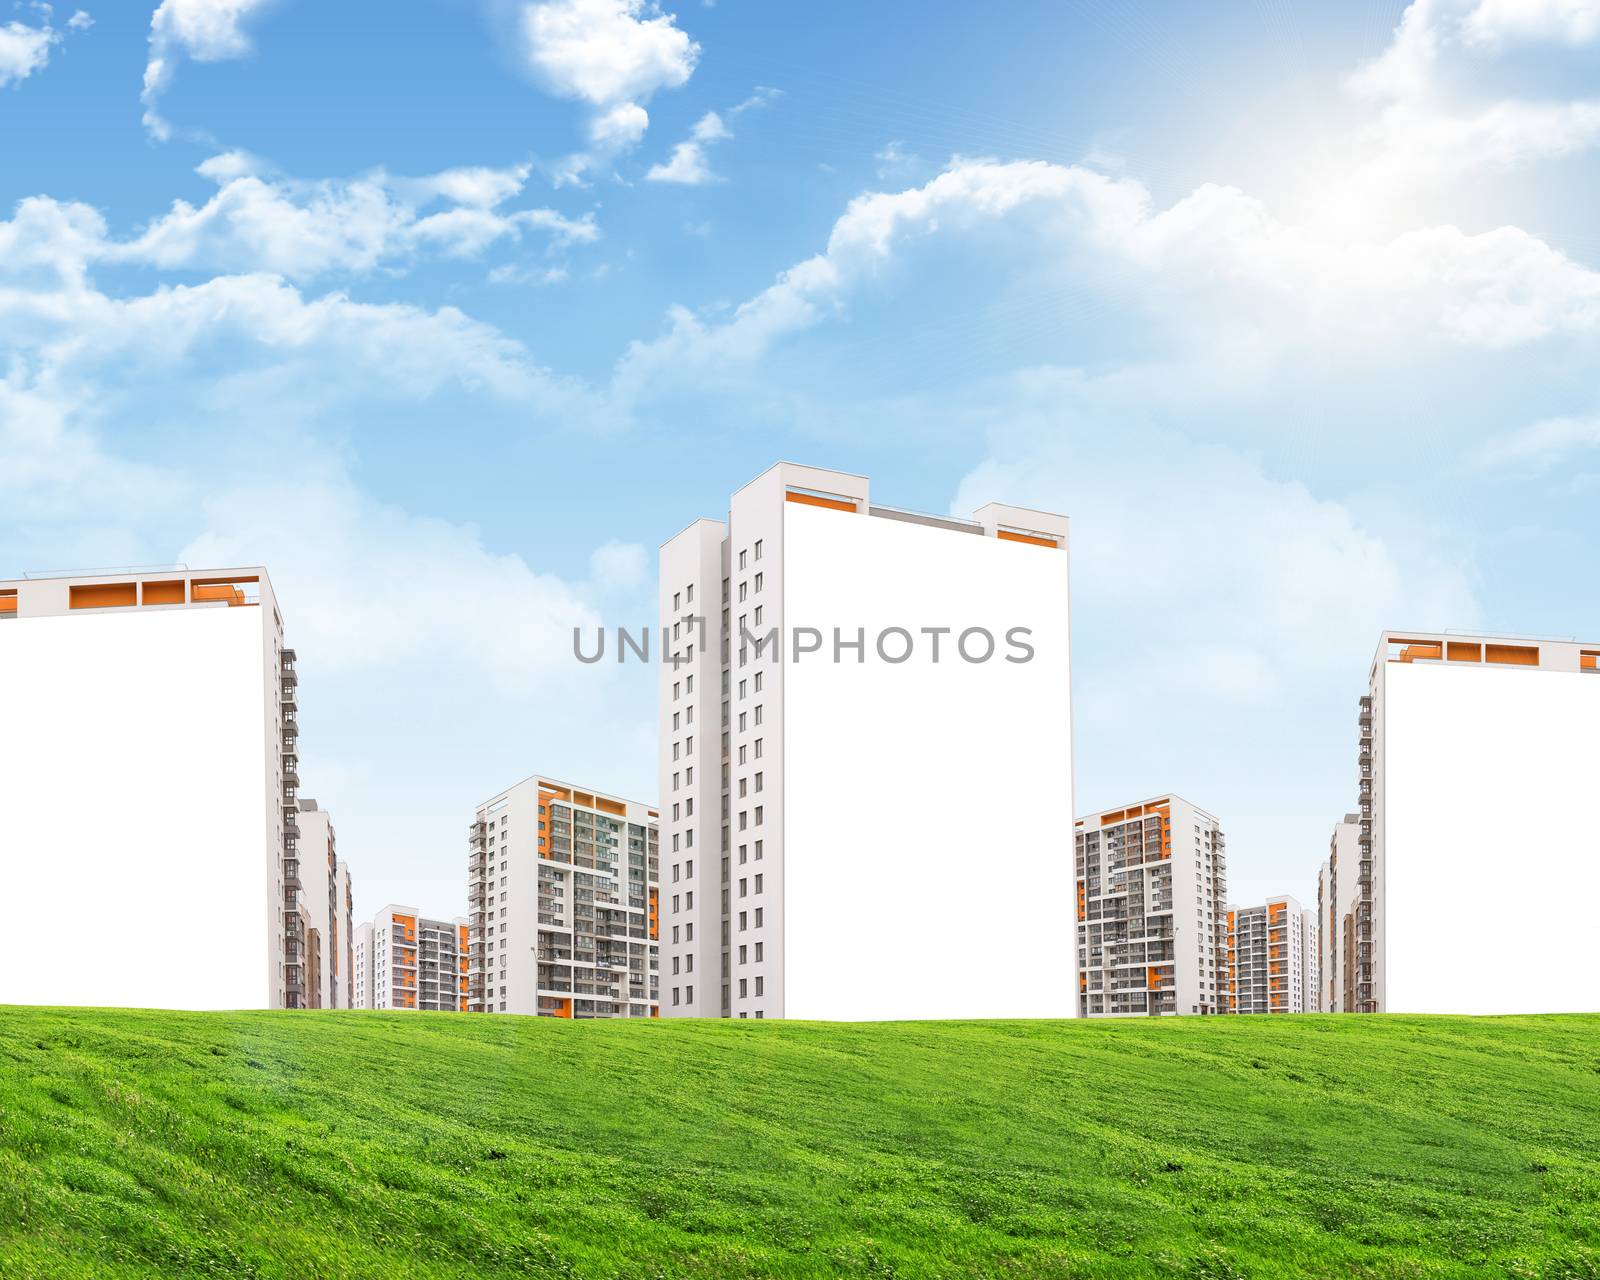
865,779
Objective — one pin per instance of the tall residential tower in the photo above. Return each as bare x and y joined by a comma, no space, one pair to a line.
1152,892
562,886
865,758
1272,958
1478,755
149,757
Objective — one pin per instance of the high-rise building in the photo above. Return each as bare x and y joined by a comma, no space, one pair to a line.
325,880
1475,750
148,746
562,887
1337,885
1272,958
403,960
1152,892
865,757
363,996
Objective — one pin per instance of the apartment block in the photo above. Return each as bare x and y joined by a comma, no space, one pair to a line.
404,960
150,746
1474,751
1152,892
563,887
1338,882
1272,958
330,910
865,757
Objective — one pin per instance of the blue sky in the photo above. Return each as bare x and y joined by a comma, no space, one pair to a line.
450,311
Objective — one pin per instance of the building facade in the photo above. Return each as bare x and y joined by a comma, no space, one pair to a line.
563,888
846,689
329,908
1152,892
1474,749
1337,885
1271,959
404,960
150,743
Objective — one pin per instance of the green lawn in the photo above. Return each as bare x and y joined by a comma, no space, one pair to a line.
305,1145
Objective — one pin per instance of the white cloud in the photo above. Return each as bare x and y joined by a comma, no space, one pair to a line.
688,165
619,566
1541,445
1499,22
611,54
303,230
1216,254
204,30
606,51
25,49
369,585
1435,121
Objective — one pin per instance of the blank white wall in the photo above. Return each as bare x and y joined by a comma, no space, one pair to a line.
928,807
133,777
1491,849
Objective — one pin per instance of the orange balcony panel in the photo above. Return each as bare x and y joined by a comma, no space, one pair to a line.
103,595
1512,655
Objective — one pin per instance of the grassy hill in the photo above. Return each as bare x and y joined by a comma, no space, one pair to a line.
421,1145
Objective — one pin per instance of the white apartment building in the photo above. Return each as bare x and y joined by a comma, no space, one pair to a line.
1152,892
362,994
563,888
1478,754
1272,957
330,911
148,751
404,960
1337,886
865,758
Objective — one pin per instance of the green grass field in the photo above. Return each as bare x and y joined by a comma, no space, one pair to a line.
421,1145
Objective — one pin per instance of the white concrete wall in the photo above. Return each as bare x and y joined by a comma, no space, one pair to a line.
1490,860
133,761
927,807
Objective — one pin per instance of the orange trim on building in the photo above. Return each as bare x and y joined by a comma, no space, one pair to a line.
814,500
1005,535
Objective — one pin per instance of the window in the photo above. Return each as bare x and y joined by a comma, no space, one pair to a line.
743,922
743,850
758,713
761,986
758,884
677,601
758,548
741,788
742,556
688,685
758,917
744,588
688,994
760,808
758,781
744,717
758,850
760,947
689,596
758,581
675,869
758,682
744,988
760,609
688,867
742,953
744,887
758,748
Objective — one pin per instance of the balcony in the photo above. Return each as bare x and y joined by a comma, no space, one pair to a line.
291,728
